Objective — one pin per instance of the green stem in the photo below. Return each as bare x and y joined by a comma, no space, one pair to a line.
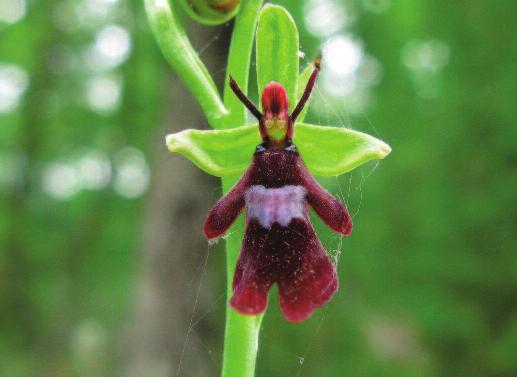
241,337
177,50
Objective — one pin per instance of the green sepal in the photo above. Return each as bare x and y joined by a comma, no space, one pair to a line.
332,151
277,47
217,152
327,151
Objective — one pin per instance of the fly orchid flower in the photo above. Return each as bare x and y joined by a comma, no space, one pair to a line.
274,184
299,264
280,244
276,190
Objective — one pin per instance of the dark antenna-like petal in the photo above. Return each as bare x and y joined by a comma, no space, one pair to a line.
244,99
308,89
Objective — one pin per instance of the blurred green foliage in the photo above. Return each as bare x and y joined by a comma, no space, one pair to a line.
429,275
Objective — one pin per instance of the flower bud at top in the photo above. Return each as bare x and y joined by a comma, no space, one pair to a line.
211,12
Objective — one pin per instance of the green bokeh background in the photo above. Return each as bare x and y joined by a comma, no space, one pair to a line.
429,275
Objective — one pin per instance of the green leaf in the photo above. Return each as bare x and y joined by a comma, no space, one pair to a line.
277,50
327,151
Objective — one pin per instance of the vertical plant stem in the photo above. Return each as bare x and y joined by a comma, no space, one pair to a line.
241,332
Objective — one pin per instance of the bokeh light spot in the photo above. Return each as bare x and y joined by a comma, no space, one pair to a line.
13,82
61,181
425,59
111,48
342,54
104,93
94,170
12,11
326,17
425,55
131,173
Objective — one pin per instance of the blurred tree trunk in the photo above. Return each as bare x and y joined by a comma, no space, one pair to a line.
173,251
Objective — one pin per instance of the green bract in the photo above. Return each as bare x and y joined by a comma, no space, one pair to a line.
327,151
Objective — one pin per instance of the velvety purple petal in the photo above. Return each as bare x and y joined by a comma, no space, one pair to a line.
327,207
226,210
307,278
291,256
250,300
255,272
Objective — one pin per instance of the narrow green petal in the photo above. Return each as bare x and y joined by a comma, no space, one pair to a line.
327,151
332,151
217,152
277,50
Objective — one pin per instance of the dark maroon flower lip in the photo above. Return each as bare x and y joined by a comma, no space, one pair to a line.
280,245
305,276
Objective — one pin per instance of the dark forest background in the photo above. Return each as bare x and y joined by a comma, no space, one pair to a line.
101,250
